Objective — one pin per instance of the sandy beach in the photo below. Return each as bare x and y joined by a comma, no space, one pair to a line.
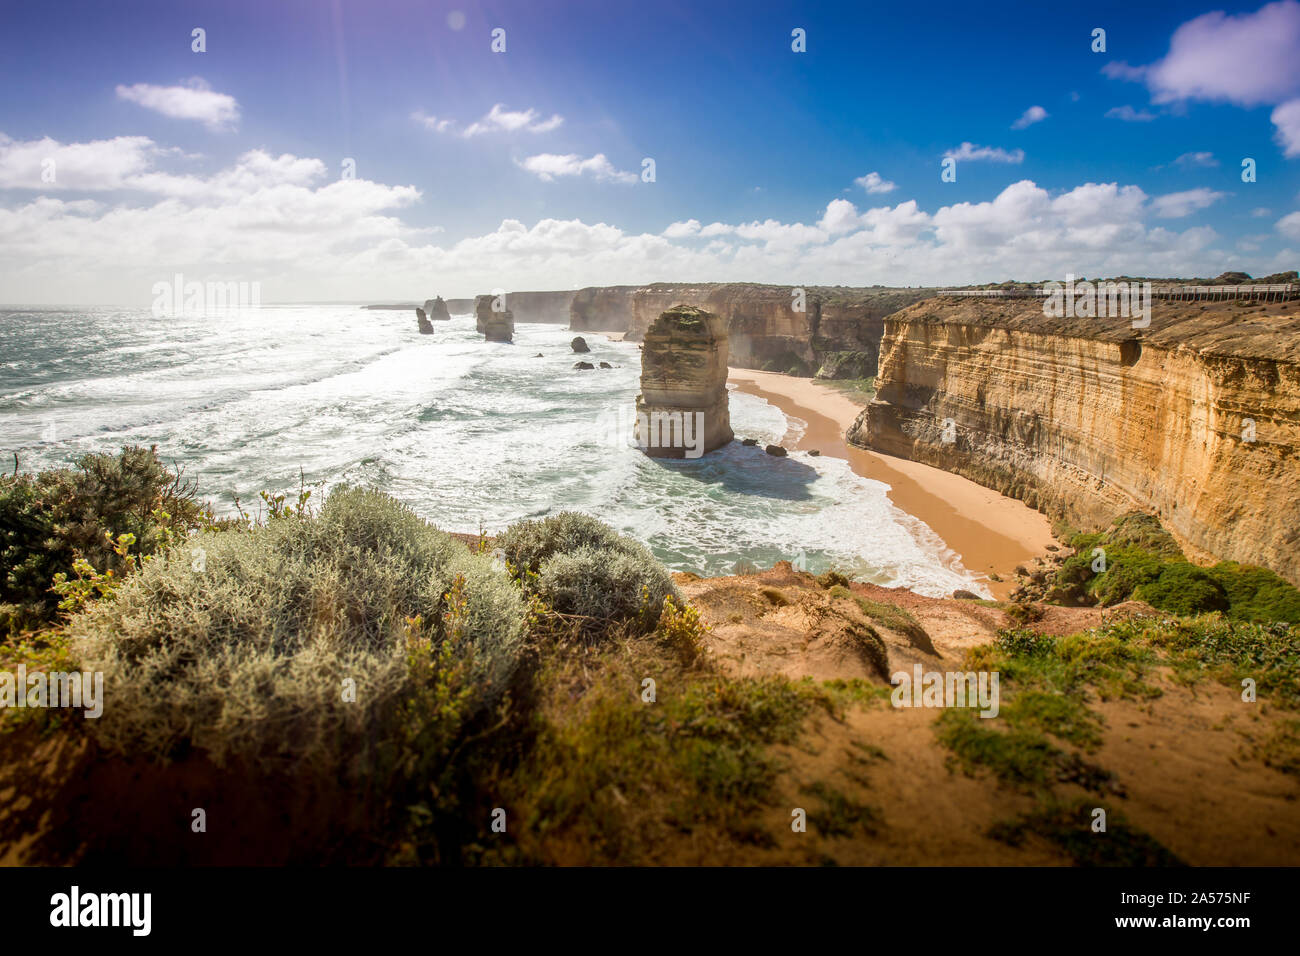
991,532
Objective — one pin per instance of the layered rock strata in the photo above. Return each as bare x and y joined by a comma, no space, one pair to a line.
831,330
1195,418
682,410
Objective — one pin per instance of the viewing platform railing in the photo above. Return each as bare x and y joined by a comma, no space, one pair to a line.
1277,292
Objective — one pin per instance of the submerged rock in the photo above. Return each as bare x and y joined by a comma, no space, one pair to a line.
583,365
579,344
605,365
682,411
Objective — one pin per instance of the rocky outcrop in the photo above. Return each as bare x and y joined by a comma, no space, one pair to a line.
422,320
1195,418
495,325
436,310
579,344
768,327
682,411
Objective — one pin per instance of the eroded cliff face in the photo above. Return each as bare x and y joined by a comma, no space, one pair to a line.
766,327
1195,419
683,410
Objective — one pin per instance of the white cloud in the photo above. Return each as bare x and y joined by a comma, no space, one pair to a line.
287,221
1261,212
1129,115
1289,226
1197,159
680,230
1035,114
969,152
875,183
1249,59
433,123
1287,120
1177,205
194,101
501,119
496,120
548,166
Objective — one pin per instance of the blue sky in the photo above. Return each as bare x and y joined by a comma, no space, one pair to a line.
226,164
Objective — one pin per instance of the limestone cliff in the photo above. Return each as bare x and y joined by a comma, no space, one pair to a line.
768,327
682,411
1195,418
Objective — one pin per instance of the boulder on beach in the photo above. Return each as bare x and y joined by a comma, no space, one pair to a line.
422,320
776,450
579,344
961,595
750,442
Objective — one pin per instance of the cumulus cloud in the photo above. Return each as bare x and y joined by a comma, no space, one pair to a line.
1289,226
550,166
496,120
875,183
1287,120
1129,115
969,152
1248,59
1177,205
680,230
1035,114
285,220
196,100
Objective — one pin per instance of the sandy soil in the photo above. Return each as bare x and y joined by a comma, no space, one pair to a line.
991,532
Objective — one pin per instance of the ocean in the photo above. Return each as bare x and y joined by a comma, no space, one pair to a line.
472,435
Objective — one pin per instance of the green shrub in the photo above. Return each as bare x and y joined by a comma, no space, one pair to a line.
581,566
1257,594
1183,588
48,519
247,657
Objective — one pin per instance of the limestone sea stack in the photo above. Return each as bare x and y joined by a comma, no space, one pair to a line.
426,327
495,326
682,409
436,309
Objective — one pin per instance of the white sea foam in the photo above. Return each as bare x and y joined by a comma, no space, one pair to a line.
469,433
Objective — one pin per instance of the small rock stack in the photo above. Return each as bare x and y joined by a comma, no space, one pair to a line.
426,327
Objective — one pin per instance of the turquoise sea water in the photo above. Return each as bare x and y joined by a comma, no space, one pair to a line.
469,433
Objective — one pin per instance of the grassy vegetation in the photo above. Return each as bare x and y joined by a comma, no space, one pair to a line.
1137,559
1047,725
897,619
860,390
